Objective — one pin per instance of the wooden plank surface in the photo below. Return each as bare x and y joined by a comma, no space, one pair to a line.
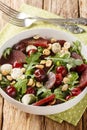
10,117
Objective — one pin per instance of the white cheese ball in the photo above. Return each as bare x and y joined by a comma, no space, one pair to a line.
29,47
56,47
28,99
6,69
16,73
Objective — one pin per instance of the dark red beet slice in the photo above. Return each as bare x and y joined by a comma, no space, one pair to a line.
30,41
83,80
45,100
15,55
61,42
81,68
51,80
83,76
76,56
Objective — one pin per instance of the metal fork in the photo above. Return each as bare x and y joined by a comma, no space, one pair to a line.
23,20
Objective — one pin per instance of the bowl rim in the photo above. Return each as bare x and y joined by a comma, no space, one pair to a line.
41,108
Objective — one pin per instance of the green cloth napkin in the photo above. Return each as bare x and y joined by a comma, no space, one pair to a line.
74,114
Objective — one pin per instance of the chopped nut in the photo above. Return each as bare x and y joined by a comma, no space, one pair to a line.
36,37
30,82
53,40
33,84
64,49
65,80
9,77
46,52
39,66
49,46
38,84
65,87
43,62
48,63
4,72
67,45
0,77
22,76
23,70
12,83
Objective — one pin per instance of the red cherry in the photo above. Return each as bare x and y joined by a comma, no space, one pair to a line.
31,51
17,65
11,91
30,90
59,79
40,74
62,70
76,91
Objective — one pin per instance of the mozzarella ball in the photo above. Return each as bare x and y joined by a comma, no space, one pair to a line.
28,99
56,47
16,73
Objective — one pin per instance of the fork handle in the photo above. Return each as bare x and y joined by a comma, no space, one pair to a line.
82,21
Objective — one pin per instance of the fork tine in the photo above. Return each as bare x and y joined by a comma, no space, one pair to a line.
13,21
15,12
6,11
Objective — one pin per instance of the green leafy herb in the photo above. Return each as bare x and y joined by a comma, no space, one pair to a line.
76,47
7,52
4,82
66,60
60,95
43,92
32,61
73,79
21,85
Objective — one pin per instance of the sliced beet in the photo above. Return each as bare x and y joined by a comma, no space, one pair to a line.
61,42
15,55
76,56
83,80
45,100
30,41
81,68
51,80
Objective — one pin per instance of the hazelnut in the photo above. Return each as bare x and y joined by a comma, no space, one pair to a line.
46,52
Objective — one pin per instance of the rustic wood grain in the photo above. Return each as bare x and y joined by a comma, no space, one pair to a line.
14,119
83,8
84,121
1,109
66,8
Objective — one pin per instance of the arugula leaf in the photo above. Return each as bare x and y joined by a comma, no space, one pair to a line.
32,61
7,52
4,82
21,85
66,60
73,79
59,94
76,47
43,92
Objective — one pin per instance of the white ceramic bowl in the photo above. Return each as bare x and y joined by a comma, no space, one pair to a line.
43,110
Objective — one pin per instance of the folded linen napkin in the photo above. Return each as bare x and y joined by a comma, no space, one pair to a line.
74,114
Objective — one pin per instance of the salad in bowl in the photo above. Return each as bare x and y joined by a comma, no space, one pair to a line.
43,69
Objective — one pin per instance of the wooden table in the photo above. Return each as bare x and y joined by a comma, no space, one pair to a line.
10,117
